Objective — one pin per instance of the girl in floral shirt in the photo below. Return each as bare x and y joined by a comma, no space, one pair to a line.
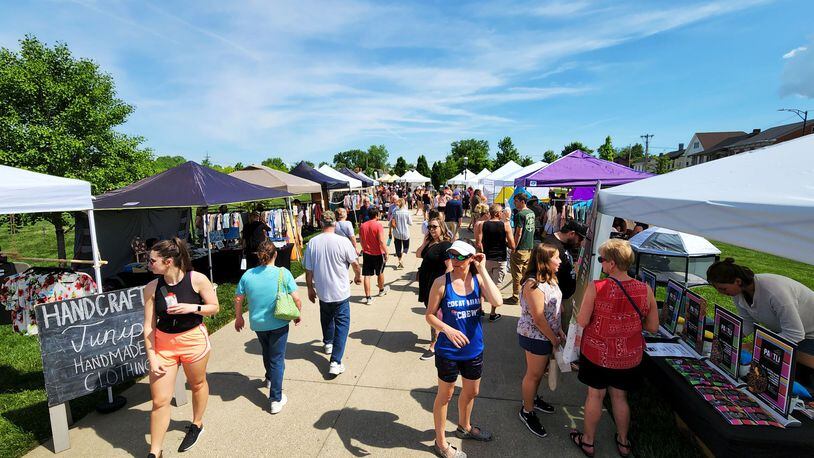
539,329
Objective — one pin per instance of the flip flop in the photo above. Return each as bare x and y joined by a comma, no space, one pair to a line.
620,446
576,438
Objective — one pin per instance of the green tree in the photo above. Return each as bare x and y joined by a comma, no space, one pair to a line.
441,172
525,161
275,163
401,166
662,164
163,163
476,152
631,153
349,159
573,146
607,151
550,156
239,166
323,163
422,166
506,152
309,164
57,116
376,159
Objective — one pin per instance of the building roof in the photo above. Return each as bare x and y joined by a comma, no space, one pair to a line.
769,135
711,139
672,155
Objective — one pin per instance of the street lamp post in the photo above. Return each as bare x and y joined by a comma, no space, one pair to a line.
466,165
801,113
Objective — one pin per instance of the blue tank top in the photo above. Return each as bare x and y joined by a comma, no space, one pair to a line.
463,314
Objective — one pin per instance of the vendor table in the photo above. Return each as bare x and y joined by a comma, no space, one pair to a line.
721,438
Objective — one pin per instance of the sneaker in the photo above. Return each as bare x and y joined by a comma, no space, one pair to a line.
429,354
277,406
365,300
449,452
542,406
532,423
385,291
369,301
400,266
336,368
328,348
495,317
191,437
511,301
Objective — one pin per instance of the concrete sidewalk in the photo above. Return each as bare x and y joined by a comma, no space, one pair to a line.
381,405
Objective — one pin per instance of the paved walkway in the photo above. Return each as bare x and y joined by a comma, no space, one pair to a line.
381,405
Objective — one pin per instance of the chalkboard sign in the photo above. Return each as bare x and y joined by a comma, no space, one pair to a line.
91,343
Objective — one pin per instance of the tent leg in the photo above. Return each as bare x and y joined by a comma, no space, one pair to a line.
208,246
97,269
59,415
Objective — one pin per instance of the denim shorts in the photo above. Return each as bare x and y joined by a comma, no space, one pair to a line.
535,346
448,369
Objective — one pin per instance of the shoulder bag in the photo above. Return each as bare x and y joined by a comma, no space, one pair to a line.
635,307
285,309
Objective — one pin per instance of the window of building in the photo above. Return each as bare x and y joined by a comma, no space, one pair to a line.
696,145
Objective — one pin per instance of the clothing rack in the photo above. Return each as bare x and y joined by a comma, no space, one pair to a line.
18,257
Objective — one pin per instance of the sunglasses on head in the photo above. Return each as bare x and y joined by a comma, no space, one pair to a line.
433,226
459,257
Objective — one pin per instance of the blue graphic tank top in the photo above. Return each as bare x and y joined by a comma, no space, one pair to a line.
461,313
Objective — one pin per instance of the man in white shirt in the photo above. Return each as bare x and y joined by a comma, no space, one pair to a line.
327,258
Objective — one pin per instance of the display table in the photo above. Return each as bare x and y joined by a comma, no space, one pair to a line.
721,438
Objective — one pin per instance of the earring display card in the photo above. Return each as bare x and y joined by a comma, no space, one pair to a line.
772,371
672,306
695,311
736,407
726,341
697,372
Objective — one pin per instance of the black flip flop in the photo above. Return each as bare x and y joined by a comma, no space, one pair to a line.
620,446
576,438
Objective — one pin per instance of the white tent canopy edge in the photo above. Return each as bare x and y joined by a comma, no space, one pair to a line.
762,200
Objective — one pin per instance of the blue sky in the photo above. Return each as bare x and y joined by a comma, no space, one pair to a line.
245,80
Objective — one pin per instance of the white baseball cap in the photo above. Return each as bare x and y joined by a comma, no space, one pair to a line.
463,248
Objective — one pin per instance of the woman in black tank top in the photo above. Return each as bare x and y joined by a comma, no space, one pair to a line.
174,334
494,239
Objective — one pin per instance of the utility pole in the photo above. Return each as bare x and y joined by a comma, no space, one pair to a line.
802,114
646,138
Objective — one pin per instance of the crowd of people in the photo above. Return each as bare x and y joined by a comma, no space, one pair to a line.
458,280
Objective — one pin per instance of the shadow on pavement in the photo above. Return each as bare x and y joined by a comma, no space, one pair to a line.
358,428
231,385
308,351
391,341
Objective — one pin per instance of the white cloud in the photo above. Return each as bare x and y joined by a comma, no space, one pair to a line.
798,73
794,52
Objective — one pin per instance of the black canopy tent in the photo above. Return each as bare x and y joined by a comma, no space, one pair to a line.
366,182
185,186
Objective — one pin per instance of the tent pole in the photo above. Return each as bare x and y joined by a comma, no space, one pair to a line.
97,270
208,245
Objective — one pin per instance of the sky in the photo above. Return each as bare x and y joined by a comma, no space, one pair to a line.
241,81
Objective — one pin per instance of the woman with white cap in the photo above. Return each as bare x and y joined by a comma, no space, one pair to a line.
459,295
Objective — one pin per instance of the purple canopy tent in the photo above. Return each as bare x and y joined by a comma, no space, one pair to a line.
581,169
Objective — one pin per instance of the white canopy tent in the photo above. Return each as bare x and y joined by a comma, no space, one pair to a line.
504,186
761,199
353,183
461,178
487,183
474,181
413,177
672,254
24,191
508,180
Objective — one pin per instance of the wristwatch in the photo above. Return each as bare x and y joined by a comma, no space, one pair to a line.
199,308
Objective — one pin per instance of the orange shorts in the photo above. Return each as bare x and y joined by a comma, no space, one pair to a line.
184,347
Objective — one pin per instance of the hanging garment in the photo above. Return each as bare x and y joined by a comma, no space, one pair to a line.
20,293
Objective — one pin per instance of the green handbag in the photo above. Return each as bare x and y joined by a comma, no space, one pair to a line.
285,309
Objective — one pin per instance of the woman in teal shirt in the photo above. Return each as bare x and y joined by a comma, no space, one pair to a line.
259,286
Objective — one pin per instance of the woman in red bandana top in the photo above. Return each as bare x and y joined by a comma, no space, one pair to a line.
613,312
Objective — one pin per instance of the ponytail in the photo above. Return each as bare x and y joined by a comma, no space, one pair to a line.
175,249
727,271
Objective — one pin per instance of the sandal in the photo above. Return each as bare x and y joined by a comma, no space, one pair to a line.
576,438
449,452
620,446
475,433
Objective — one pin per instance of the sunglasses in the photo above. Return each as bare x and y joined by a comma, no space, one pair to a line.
433,226
459,257
152,261
601,259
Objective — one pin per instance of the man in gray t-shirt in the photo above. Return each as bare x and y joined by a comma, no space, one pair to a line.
327,259
400,230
